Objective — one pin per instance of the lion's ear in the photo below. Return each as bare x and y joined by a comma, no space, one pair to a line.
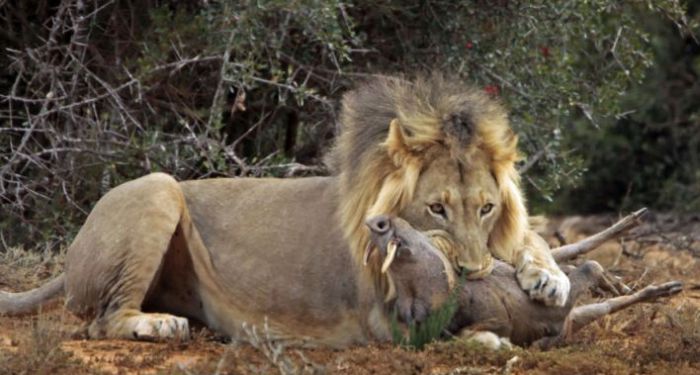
508,234
396,143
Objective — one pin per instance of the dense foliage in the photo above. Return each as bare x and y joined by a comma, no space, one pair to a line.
650,157
97,92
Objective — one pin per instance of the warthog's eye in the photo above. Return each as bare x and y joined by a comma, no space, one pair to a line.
438,209
486,209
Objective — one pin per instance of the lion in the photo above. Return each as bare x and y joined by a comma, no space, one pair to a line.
294,254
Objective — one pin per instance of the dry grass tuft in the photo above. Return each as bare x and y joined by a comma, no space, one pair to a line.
38,350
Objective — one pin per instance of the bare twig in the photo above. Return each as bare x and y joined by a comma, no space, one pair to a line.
272,349
571,251
505,82
293,89
531,161
216,105
293,169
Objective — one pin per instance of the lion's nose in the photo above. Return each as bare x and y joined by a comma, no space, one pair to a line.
379,224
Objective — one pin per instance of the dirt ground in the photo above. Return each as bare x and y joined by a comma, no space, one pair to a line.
658,338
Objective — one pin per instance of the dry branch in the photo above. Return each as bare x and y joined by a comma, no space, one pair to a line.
571,251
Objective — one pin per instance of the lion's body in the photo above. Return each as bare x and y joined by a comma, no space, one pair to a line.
292,253
224,252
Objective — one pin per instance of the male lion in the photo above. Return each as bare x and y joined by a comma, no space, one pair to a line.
292,253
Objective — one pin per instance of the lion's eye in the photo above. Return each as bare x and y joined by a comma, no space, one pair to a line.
437,209
485,209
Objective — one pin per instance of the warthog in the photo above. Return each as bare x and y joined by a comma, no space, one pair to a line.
494,303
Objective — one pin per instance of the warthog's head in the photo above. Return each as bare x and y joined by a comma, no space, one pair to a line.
421,276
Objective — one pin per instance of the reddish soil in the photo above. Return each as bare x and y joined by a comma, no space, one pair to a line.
657,338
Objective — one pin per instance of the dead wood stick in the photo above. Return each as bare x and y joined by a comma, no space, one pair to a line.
571,251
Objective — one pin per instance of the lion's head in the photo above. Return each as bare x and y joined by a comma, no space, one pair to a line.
437,154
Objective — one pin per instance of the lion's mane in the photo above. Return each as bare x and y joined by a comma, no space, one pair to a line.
435,114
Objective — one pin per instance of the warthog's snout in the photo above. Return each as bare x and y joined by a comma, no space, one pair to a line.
421,276
382,235
379,224
393,237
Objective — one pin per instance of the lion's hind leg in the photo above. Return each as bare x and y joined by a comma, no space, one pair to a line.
117,259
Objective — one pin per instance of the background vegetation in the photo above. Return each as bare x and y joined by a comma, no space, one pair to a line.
96,92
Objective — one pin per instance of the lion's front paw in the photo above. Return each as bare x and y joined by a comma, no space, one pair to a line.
550,286
156,327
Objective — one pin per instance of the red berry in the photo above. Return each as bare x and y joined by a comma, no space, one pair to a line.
544,50
469,45
492,90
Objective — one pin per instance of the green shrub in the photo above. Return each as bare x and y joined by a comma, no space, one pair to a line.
96,93
651,156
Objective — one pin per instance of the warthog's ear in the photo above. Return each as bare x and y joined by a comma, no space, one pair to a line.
397,143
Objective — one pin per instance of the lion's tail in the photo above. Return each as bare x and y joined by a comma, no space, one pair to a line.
30,301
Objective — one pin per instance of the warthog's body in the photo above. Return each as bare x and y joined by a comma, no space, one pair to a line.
494,303
498,305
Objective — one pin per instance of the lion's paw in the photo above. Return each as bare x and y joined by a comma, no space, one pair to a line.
155,327
550,286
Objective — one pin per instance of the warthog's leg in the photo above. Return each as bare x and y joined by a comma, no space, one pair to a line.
583,315
117,257
580,316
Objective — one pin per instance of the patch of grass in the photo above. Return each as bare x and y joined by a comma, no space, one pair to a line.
23,269
430,330
40,351
21,257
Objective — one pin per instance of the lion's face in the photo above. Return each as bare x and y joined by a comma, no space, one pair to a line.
437,154
458,206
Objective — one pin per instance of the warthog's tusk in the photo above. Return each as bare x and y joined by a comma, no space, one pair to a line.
369,249
391,248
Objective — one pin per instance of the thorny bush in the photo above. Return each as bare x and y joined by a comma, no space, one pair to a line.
96,92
